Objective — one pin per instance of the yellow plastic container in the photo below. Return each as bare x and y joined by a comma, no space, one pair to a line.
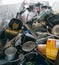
51,49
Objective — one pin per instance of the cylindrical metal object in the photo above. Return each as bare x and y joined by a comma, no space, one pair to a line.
10,53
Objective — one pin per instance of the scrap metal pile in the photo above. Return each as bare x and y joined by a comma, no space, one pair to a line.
32,38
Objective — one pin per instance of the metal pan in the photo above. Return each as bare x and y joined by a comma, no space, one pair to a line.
28,46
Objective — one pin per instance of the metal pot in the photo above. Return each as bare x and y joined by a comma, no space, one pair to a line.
10,53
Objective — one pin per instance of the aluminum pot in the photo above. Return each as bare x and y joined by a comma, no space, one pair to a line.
10,53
